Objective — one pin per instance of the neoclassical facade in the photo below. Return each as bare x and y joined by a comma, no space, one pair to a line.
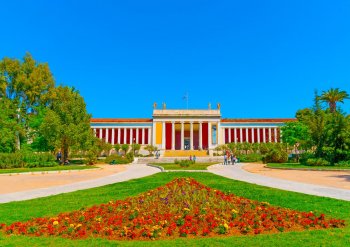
187,129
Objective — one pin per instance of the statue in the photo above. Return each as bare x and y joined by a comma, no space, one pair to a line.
209,106
164,106
219,106
154,105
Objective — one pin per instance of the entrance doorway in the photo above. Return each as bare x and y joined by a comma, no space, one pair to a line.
187,144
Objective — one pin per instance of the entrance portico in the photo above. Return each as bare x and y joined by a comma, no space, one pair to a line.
186,129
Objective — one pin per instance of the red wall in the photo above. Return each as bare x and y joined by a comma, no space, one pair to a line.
127,136
146,136
168,135
205,135
226,135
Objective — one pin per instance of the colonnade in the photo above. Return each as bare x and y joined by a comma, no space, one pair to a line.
127,135
251,134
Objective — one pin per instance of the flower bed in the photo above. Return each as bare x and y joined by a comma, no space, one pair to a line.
181,208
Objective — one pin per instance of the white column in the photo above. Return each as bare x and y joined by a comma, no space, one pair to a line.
143,136
280,135
253,137
137,135
182,135
113,136
258,129
264,135
269,134
95,132
246,135
124,135
100,134
224,135
209,135
191,135
200,135
107,135
235,134
118,136
150,132
172,135
229,135
163,135
275,133
131,136
241,135
153,134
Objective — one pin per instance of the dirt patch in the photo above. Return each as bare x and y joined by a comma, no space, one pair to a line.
338,179
23,182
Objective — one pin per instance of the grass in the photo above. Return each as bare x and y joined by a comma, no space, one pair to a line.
51,206
195,166
305,167
44,169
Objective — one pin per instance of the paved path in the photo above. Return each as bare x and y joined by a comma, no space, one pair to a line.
132,171
236,172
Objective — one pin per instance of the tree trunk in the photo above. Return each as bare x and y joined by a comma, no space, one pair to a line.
65,151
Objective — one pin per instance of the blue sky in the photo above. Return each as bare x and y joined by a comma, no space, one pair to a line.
257,58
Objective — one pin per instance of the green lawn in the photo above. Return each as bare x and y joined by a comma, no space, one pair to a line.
50,206
196,166
44,169
300,166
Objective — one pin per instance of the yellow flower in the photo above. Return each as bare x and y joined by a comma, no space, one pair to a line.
79,225
71,225
234,211
55,223
226,226
186,209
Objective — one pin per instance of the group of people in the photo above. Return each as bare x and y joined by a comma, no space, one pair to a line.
230,158
194,158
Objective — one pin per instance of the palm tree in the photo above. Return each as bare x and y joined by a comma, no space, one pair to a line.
332,96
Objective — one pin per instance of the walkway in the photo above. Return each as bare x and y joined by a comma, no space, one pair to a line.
236,172
131,172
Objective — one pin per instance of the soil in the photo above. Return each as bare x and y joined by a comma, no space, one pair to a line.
337,179
23,182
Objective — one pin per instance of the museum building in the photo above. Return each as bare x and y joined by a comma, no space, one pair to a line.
170,129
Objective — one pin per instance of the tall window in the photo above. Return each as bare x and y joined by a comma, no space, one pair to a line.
213,134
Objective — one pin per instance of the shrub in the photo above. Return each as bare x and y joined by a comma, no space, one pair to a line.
317,162
343,163
116,159
250,157
26,159
276,155
185,163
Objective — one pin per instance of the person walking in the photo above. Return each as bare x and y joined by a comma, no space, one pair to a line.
232,159
225,159
194,158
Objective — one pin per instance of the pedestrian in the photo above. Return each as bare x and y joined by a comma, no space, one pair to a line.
225,159
194,158
190,157
59,156
232,159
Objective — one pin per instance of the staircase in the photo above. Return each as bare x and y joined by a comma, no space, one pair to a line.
185,153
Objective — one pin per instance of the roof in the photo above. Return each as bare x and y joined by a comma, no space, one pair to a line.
257,120
121,120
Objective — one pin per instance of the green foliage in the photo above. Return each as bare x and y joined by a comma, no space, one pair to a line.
295,132
332,96
317,162
151,149
125,148
67,124
26,159
136,147
253,157
276,154
117,147
116,159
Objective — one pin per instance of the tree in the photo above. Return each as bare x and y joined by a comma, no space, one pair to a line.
151,149
125,148
67,123
117,147
295,132
332,96
26,84
136,147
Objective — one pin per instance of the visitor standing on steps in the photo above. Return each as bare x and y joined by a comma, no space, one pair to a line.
225,159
